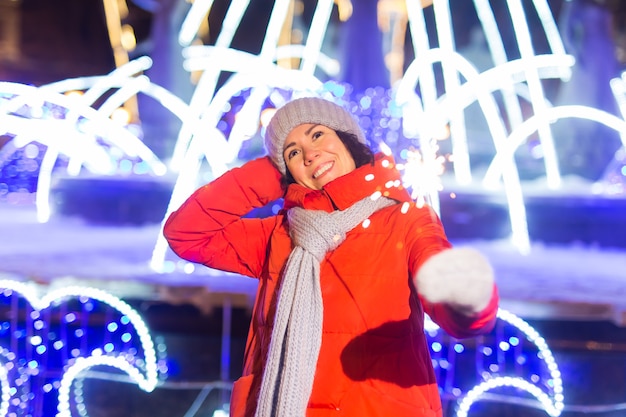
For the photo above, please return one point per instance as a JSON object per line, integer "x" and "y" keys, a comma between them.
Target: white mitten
{"x": 460, "y": 277}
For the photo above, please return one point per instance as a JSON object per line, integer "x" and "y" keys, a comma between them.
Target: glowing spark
{"x": 422, "y": 176}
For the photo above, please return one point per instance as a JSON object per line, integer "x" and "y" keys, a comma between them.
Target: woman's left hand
{"x": 459, "y": 277}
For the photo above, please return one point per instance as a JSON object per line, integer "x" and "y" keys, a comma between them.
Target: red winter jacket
{"x": 374, "y": 359}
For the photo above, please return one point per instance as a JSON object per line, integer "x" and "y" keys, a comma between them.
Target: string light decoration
{"x": 514, "y": 355}
{"x": 53, "y": 332}
{"x": 48, "y": 341}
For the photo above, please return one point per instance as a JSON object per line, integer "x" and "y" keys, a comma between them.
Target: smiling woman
{"x": 315, "y": 155}
{"x": 320, "y": 141}
{"x": 346, "y": 271}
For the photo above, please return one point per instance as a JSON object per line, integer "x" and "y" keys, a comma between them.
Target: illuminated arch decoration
{"x": 50, "y": 128}
{"x": 614, "y": 180}
{"x": 551, "y": 115}
{"x": 257, "y": 77}
{"x": 618, "y": 86}
{"x": 49, "y": 341}
{"x": 260, "y": 75}
{"x": 252, "y": 67}
{"x": 511, "y": 361}
{"x": 492, "y": 35}
{"x": 29, "y": 114}
{"x": 422, "y": 114}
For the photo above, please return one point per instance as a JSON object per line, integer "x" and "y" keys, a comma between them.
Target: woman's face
{"x": 315, "y": 155}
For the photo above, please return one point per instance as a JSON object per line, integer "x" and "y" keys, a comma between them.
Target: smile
{"x": 322, "y": 169}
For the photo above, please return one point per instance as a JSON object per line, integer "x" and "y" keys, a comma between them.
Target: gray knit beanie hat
{"x": 306, "y": 110}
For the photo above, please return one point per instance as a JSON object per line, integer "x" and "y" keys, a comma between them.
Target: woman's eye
{"x": 292, "y": 153}
{"x": 317, "y": 135}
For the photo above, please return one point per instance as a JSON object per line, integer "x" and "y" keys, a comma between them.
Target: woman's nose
{"x": 310, "y": 154}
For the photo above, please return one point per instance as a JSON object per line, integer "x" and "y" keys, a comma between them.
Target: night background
{"x": 97, "y": 247}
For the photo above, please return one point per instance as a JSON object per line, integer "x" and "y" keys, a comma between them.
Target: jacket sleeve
{"x": 455, "y": 286}
{"x": 459, "y": 325}
{"x": 210, "y": 227}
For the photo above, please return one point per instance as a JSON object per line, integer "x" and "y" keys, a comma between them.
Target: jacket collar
{"x": 341, "y": 193}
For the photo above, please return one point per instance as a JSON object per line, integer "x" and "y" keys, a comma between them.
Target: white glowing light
{"x": 193, "y": 21}
{"x": 100, "y": 85}
{"x": 494, "y": 39}
{"x": 221, "y": 413}
{"x": 127, "y": 85}
{"x": 538, "y": 99}
{"x": 319, "y": 26}
{"x": 452, "y": 82}
{"x": 550, "y": 115}
{"x": 553, "y": 409}
{"x": 478, "y": 87}
{"x": 618, "y": 86}
{"x": 121, "y": 116}
{"x": 551, "y": 403}
{"x": 274, "y": 27}
{"x": 207, "y": 83}
{"x": 83, "y": 363}
{"x": 430, "y": 325}
{"x": 421, "y": 116}
{"x": 498, "y": 54}
{"x": 130, "y": 89}
{"x": 421, "y": 45}
{"x": 63, "y": 136}
{"x": 423, "y": 176}
{"x": 250, "y": 72}
{"x": 325, "y": 63}
{"x": 231, "y": 22}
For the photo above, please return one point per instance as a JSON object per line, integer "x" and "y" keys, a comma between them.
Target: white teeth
{"x": 322, "y": 169}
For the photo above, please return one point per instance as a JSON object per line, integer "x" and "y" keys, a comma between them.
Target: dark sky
{"x": 59, "y": 39}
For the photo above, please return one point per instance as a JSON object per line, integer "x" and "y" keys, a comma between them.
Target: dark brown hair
{"x": 360, "y": 152}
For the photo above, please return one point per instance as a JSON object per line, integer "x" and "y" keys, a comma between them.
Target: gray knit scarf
{"x": 297, "y": 334}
